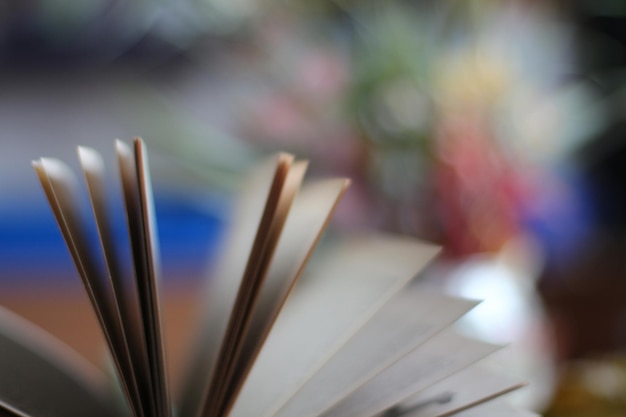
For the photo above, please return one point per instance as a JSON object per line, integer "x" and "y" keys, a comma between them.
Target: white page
{"x": 438, "y": 358}
{"x": 495, "y": 409}
{"x": 8, "y": 411}
{"x": 464, "y": 389}
{"x": 124, "y": 289}
{"x": 407, "y": 320}
{"x": 324, "y": 311}
{"x": 249, "y": 294}
{"x": 41, "y": 377}
{"x": 61, "y": 188}
{"x": 218, "y": 301}
{"x": 311, "y": 212}
{"x": 139, "y": 204}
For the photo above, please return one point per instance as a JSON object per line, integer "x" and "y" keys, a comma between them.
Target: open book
{"x": 352, "y": 337}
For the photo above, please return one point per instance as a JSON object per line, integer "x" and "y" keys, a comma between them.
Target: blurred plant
{"x": 449, "y": 116}
{"x": 392, "y": 108}
{"x": 463, "y": 110}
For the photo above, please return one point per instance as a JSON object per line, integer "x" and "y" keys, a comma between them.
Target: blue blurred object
{"x": 32, "y": 249}
{"x": 562, "y": 217}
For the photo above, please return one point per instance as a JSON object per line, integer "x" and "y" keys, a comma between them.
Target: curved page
{"x": 43, "y": 378}
{"x": 494, "y": 409}
{"x": 219, "y": 301}
{"x": 463, "y": 390}
{"x": 324, "y": 311}
{"x": 438, "y": 358}
{"x": 407, "y": 320}
{"x": 307, "y": 219}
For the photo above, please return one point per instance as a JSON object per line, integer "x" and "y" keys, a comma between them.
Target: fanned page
{"x": 494, "y": 409}
{"x": 263, "y": 187}
{"x": 125, "y": 289}
{"x": 129, "y": 315}
{"x": 264, "y": 246}
{"x": 60, "y": 186}
{"x": 348, "y": 338}
{"x": 298, "y": 221}
{"x": 438, "y": 358}
{"x": 43, "y": 378}
{"x": 325, "y": 310}
{"x": 406, "y": 321}
{"x": 141, "y": 220}
{"x": 307, "y": 219}
{"x": 465, "y": 389}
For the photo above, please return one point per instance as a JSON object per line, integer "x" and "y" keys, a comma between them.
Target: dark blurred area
{"x": 495, "y": 128}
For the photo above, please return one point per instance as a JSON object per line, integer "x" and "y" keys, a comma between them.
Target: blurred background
{"x": 494, "y": 128}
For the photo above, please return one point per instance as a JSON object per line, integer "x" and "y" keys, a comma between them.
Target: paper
{"x": 440, "y": 357}
{"x": 348, "y": 338}
{"x": 305, "y": 223}
{"x": 464, "y": 389}
{"x": 407, "y": 320}
{"x": 225, "y": 282}
{"x": 324, "y": 311}
{"x": 60, "y": 186}
{"x": 495, "y": 409}
{"x": 40, "y": 377}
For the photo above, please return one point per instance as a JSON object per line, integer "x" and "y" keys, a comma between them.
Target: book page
{"x": 494, "y": 409}
{"x": 462, "y": 390}
{"x": 438, "y": 358}
{"x": 141, "y": 219}
{"x": 219, "y": 301}
{"x": 307, "y": 219}
{"x": 266, "y": 241}
{"x": 325, "y": 309}
{"x": 124, "y": 289}
{"x": 60, "y": 186}
{"x": 407, "y": 320}
{"x": 41, "y": 377}
{"x": 7, "y": 411}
